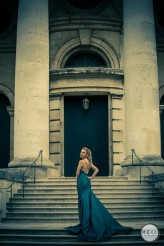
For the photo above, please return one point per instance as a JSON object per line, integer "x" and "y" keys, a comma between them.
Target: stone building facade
{"x": 82, "y": 73}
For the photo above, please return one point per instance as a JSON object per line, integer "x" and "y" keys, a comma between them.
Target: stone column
{"x": 31, "y": 125}
{"x": 141, "y": 83}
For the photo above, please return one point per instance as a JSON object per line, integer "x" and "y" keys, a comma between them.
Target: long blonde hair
{"x": 88, "y": 155}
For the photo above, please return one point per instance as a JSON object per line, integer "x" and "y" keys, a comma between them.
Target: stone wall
{"x": 5, "y": 194}
{"x": 55, "y": 131}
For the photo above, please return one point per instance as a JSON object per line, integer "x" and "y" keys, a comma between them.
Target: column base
{"x": 25, "y": 162}
{"x": 16, "y": 173}
{"x": 18, "y": 166}
{"x": 132, "y": 168}
{"x": 44, "y": 168}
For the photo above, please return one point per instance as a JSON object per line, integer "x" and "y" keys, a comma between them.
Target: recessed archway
{"x": 97, "y": 46}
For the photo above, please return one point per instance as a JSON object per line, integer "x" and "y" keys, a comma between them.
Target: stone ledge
{"x": 149, "y": 160}
{"x": 87, "y": 72}
{"x": 15, "y": 174}
{"x": 27, "y": 161}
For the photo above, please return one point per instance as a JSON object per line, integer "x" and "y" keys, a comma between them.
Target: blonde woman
{"x": 96, "y": 223}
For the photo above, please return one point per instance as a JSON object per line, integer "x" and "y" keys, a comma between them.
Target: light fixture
{"x": 85, "y": 103}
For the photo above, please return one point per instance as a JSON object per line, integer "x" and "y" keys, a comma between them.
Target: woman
{"x": 96, "y": 223}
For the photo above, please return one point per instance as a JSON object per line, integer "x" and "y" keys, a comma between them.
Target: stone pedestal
{"x": 144, "y": 166}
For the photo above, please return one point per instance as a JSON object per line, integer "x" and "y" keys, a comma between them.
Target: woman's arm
{"x": 96, "y": 170}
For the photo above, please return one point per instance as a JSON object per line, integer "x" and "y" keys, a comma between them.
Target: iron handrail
{"x": 23, "y": 178}
{"x": 28, "y": 168}
{"x": 144, "y": 164}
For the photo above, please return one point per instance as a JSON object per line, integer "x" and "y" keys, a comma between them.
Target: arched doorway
{"x": 86, "y": 127}
{"x": 4, "y": 132}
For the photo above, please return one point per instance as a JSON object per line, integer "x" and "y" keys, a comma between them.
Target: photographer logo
{"x": 149, "y": 232}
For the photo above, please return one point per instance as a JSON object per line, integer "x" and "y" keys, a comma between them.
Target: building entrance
{"x": 86, "y": 127}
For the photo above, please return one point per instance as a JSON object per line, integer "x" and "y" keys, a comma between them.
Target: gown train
{"x": 96, "y": 223}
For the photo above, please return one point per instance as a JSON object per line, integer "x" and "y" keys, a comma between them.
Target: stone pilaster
{"x": 31, "y": 125}
{"x": 141, "y": 83}
{"x": 10, "y": 110}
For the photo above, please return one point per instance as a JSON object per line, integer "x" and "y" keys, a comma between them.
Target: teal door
{"x": 162, "y": 127}
{"x": 86, "y": 128}
{"x": 162, "y": 134}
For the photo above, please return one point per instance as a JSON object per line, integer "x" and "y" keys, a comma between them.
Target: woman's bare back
{"x": 85, "y": 166}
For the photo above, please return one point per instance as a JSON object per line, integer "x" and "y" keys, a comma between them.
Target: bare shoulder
{"x": 81, "y": 162}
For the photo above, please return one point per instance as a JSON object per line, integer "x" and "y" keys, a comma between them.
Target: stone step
{"x": 94, "y": 187}
{"x": 64, "y": 237}
{"x": 96, "y": 191}
{"x": 47, "y": 231}
{"x": 71, "y": 219}
{"x": 96, "y": 179}
{"x": 73, "y": 177}
{"x": 120, "y": 199}
{"x": 26, "y": 203}
{"x": 99, "y": 195}
{"x": 93, "y": 182}
{"x": 118, "y": 213}
{"x": 66, "y": 243}
{"x": 74, "y": 209}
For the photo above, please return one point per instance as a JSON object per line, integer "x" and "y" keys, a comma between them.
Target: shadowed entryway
{"x": 86, "y": 127}
{"x": 4, "y": 132}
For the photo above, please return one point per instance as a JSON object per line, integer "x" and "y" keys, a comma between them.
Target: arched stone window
{"x": 85, "y": 4}
{"x": 98, "y": 50}
{"x": 85, "y": 59}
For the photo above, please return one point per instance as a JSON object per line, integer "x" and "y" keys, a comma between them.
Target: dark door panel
{"x": 86, "y": 128}
{"x": 4, "y": 132}
{"x": 162, "y": 134}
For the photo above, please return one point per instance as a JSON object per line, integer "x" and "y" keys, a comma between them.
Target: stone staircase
{"x": 51, "y": 204}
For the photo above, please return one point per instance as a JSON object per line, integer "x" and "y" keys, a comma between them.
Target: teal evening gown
{"x": 96, "y": 223}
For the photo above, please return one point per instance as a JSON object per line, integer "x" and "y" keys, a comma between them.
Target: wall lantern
{"x": 85, "y": 103}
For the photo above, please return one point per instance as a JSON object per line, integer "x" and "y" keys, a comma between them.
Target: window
{"x": 84, "y": 4}
{"x": 85, "y": 59}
